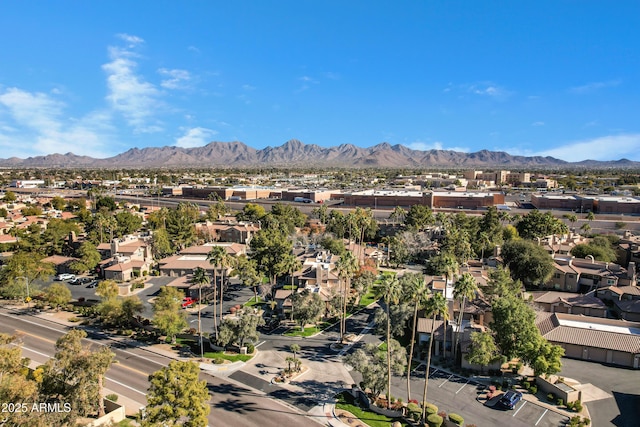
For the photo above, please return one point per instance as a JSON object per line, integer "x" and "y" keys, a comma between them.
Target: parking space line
{"x": 524, "y": 402}
{"x": 445, "y": 381}
{"x": 434, "y": 372}
{"x": 259, "y": 344}
{"x": 543, "y": 414}
{"x": 460, "y": 389}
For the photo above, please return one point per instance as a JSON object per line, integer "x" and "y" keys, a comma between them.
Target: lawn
{"x": 373, "y": 419}
{"x": 253, "y": 302}
{"x": 195, "y": 349}
{"x": 367, "y": 299}
{"x": 229, "y": 357}
{"x": 296, "y": 332}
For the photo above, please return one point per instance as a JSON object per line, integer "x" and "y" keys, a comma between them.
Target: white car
{"x": 65, "y": 276}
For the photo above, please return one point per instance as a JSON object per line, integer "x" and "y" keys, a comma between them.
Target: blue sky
{"x": 555, "y": 78}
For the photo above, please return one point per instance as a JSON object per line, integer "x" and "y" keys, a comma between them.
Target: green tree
{"x": 108, "y": 289}
{"x": 419, "y": 217}
{"x": 308, "y": 307}
{"x": 416, "y": 292}
{"x": 599, "y": 247}
{"x": 89, "y": 257}
{"x": 390, "y": 291}
{"x": 269, "y": 247}
{"x": 160, "y": 244}
{"x": 527, "y": 262}
{"x": 240, "y": 330}
{"x": 290, "y": 263}
{"x": 537, "y": 224}
{"x": 19, "y": 273}
{"x": 347, "y": 265}
{"x": 180, "y": 225}
{"x": 335, "y": 246}
{"x": 106, "y": 202}
{"x": 9, "y": 196}
{"x": 251, "y": 212}
{"x": 247, "y": 271}
{"x": 128, "y": 223}
{"x": 515, "y": 329}
{"x": 57, "y": 294}
{"x": 176, "y": 396}
{"x": 76, "y": 375}
{"x": 220, "y": 259}
{"x": 500, "y": 284}
{"x": 167, "y": 316}
{"x": 398, "y": 215}
{"x": 200, "y": 278}
{"x": 482, "y": 350}
{"x": 55, "y": 235}
{"x": 435, "y": 306}
{"x": 58, "y": 203}
{"x": 465, "y": 288}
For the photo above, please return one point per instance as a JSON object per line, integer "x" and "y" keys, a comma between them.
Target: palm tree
{"x": 347, "y": 265}
{"x": 389, "y": 290}
{"x": 449, "y": 268}
{"x": 585, "y": 228}
{"x": 200, "y": 277}
{"x": 291, "y": 263}
{"x": 465, "y": 288}
{"x": 215, "y": 257}
{"x": 416, "y": 291}
{"x": 398, "y": 215}
{"x": 436, "y": 305}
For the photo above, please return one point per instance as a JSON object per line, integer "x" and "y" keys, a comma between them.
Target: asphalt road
{"x": 231, "y": 404}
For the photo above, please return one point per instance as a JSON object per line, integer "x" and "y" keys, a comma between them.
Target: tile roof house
{"x": 61, "y": 263}
{"x": 593, "y": 339}
{"x": 567, "y": 302}
{"x": 579, "y": 274}
{"x": 625, "y": 299}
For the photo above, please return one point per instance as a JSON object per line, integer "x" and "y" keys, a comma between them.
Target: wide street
{"x": 128, "y": 377}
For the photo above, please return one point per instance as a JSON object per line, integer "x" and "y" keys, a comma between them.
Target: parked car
{"x": 86, "y": 279}
{"x": 65, "y": 276}
{"x": 74, "y": 281}
{"x": 510, "y": 399}
{"x": 188, "y": 302}
{"x": 92, "y": 284}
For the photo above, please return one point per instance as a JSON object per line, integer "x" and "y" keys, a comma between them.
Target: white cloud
{"x": 195, "y": 137}
{"x": 248, "y": 87}
{"x": 537, "y": 124}
{"x": 594, "y": 86}
{"x": 436, "y": 145}
{"x": 132, "y": 40}
{"x": 41, "y": 128}
{"x": 612, "y": 147}
{"x": 174, "y": 79}
{"x": 488, "y": 89}
{"x": 129, "y": 94}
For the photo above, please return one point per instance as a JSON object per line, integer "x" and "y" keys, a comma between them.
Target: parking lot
{"x": 453, "y": 393}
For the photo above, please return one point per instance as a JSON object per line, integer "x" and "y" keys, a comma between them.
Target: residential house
{"x": 625, "y": 301}
{"x": 567, "y": 302}
{"x": 578, "y": 274}
{"x": 62, "y": 263}
{"x": 196, "y": 256}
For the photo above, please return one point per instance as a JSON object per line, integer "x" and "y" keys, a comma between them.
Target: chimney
{"x": 631, "y": 271}
{"x": 115, "y": 246}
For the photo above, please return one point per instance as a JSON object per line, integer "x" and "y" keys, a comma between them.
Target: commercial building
{"x": 598, "y": 204}
{"x": 435, "y": 199}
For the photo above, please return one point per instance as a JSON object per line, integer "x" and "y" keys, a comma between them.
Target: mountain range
{"x": 294, "y": 153}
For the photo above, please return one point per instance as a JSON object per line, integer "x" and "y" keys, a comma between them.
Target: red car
{"x": 188, "y": 302}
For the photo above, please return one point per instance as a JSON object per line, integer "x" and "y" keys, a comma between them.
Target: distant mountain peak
{"x": 294, "y": 153}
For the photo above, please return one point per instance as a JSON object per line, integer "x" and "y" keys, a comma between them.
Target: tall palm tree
{"x": 390, "y": 291}
{"x": 291, "y": 264}
{"x": 398, "y": 214}
{"x": 415, "y": 291}
{"x": 436, "y": 305}
{"x": 450, "y": 269}
{"x": 347, "y": 266}
{"x": 200, "y": 277}
{"x": 465, "y": 288}
{"x": 214, "y": 257}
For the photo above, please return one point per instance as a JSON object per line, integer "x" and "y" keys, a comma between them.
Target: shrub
{"x": 533, "y": 389}
{"x": 526, "y": 385}
{"x": 577, "y": 406}
{"x": 551, "y": 397}
{"x": 414, "y": 411}
{"x": 251, "y": 348}
{"x": 432, "y": 409}
{"x": 218, "y": 360}
{"x": 112, "y": 397}
{"x": 457, "y": 419}
{"x": 560, "y": 402}
{"x": 434, "y": 420}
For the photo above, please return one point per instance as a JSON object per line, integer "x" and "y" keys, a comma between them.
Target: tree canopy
{"x": 527, "y": 262}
